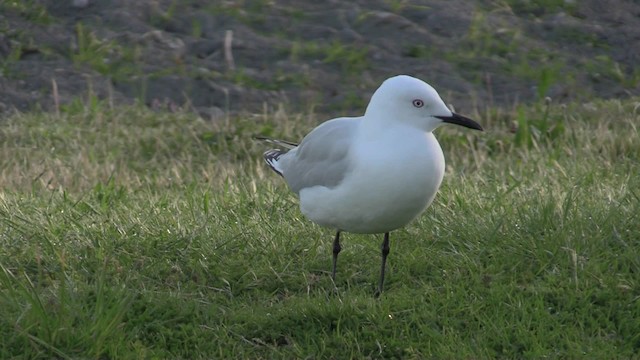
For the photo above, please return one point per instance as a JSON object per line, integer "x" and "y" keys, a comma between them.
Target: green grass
{"x": 107, "y": 57}
{"x": 494, "y": 46}
{"x": 132, "y": 234}
{"x": 352, "y": 60}
{"x": 540, "y": 7}
{"x": 31, "y": 10}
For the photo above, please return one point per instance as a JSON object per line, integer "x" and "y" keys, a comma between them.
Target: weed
{"x": 160, "y": 18}
{"x": 31, "y": 10}
{"x": 485, "y": 39}
{"x": 105, "y": 56}
{"x": 7, "y": 62}
{"x": 604, "y": 67}
{"x": 196, "y": 28}
{"x": 90, "y": 50}
{"x": 576, "y": 35}
{"x": 278, "y": 81}
{"x": 541, "y": 7}
{"x": 351, "y": 59}
{"x": 398, "y": 6}
{"x": 499, "y": 46}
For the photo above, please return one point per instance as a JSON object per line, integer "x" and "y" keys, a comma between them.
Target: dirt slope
{"x": 326, "y": 55}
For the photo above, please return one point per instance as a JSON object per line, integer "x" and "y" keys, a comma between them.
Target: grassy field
{"x": 126, "y": 233}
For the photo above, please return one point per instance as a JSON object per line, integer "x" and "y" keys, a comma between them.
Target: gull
{"x": 374, "y": 173}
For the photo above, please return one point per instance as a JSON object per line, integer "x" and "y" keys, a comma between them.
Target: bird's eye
{"x": 418, "y": 103}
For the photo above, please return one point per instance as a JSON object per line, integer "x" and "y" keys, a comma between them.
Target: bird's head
{"x": 409, "y": 100}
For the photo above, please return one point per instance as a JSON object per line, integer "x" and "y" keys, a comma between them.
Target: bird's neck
{"x": 380, "y": 128}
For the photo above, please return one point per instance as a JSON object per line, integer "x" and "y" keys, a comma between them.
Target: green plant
{"x": 90, "y": 50}
{"x": 539, "y": 8}
{"x": 31, "y": 10}
{"x": 540, "y": 126}
{"x": 398, "y": 6}
{"x": 544, "y": 69}
{"x": 107, "y": 57}
{"x": 485, "y": 39}
{"x": 604, "y": 67}
{"x": 7, "y": 62}
{"x": 351, "y": 59}
{"x": 161, "y": 17}
{"x": 196, "y": 28}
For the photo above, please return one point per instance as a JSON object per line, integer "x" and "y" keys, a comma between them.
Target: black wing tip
{"x": 271, "y": 158}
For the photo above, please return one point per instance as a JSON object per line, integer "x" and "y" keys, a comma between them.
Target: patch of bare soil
{"x": 218, "y": 56}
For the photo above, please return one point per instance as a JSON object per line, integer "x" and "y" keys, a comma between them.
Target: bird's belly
{"x": 375, "y": 209}
{"x": 379, "y": 196}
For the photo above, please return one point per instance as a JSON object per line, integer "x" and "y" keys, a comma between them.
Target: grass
{"x": 540, "y": 7}
{"x": 107, "y": 57}
{"x": 351, "y": 60}
{"x": 29, "y": 9}
{"x": 132, "y": 234}
{"x": 494, "y": 46}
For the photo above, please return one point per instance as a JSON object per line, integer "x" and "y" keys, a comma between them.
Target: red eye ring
{"x": 418, "y": 103}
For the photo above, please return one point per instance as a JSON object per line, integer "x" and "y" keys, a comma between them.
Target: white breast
{"x": 388, "y": 187}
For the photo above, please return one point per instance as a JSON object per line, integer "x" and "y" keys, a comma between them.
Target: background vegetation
{"x": 240, "y": 55}
{"x": 146, "y": 227}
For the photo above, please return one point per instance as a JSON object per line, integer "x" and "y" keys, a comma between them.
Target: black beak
{"x": 460, "y": 120}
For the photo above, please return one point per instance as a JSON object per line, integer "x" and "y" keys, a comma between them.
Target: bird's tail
{"x": 271, "y": 156}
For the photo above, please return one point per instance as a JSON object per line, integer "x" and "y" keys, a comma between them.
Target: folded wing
{"x": 322, "y": 158}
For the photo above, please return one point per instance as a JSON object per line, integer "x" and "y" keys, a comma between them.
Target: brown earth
{"x": 323, "y": 55}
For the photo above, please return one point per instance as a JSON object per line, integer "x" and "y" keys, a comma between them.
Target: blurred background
{"x": 221, "y": 57}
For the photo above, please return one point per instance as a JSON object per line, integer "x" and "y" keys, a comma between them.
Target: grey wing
{"x": 321, "y": 158}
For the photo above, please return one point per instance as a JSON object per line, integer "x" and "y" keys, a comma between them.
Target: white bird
{"x": 375, "y": 173}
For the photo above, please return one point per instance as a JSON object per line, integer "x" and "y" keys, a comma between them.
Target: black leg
{"x": 336, "y": 251}
{"x": 385, "y": 251}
